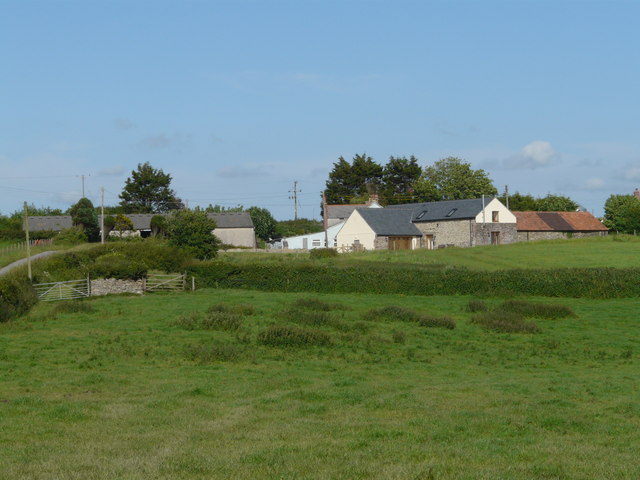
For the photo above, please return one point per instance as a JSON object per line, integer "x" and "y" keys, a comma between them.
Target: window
{"x": 356, "y": 242}
{"x": 315, "y": 243}
{"x": 495, "y": 216}
{"x": 422, "y": 214}
{"x": 453, "y": 210}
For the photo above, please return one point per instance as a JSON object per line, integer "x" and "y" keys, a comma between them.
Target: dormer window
{"x": 453, "y": 210}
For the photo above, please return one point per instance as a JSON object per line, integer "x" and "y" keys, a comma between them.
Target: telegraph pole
{"x": 506, "y": 195}
{"x": 26, "y": 229}
{"x": 102, "y": 217}
{"x": 295, "y": 192}
{"x": 82, "y": 177}
{"x": 324, "y": 219}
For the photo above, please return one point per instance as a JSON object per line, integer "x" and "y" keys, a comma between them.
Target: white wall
{"x": 314, "y": 240}
{"x": 495, "y": 205}
{"x": 239, "y": 237}
{"x": 355, "y": 228}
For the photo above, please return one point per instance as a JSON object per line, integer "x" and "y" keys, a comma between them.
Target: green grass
{"x": 9, "y": 257}
{"x": 124, "y": 392}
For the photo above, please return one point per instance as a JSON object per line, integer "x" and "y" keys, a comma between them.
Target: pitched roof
{"x": 342, "y": 211}
{"x": 558, "y": 222}
{"x": 53, "y": 222}
{"x": 443, "y": 210}
{"x": 232, "y": 219}
{"x": 390, "y": 222}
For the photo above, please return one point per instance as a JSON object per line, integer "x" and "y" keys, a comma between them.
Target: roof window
{"x": 421, "y": 214}
{"x": 453, "y": 210}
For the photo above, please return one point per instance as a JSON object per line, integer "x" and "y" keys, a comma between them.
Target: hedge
{"x": 17, "y": 296}
{"x": 373, "y": 278}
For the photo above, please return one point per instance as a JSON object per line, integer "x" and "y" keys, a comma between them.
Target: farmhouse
{"x": 234, "y": 228}
{"x": 553, "y": 225}
{"x": 459, "y": 223}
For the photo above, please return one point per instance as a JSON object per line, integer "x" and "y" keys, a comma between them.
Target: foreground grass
{"x": 123, "y": 391}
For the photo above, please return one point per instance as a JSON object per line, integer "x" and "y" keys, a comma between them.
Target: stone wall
{"x": 482, "y": 233}
{"x": 381, "y": 243}
{"x": 106, "y": 286}
{"x": 532, "y": 236}
{"x": 448, "y": 233}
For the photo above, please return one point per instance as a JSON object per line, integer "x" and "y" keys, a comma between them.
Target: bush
{"x": 323, "y": 253}
{"x": 477, "y": 306}
{"x": 71, "y": 236}
{"x": 286, "y": 336}
{"x": 437, "y": 322}
{"x": 116, "y": 265}
{"x": 17, "y": 296}
{"x": 191, "y": 230}
{"x": 541, "y": 310}
{"x": 239, "y": 309}
{"x": 504, "y": 322}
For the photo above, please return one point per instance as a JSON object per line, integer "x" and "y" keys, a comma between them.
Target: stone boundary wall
{"x": 106, "y": 286}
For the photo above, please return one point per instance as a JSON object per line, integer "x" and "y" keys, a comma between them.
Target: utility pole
{"x": 506, "y": 195}
{"x": 295, "y": 192}
{"x": 26, "y": 229}
{"x": 324, "y": 219}
{"x": 102, "y": 217}
{"x": 83, "y": 177}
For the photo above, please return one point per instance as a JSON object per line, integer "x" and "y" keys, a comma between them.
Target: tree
{"x": 222, "y": 209}
{"x": 264, "y": 224}
{"x": 347, "y": 180}
{"x": 84, "y": 215}
{"x": 520, "y": 203}
{"x": 148, "y": 190}
{"x": 122, "y": 223}
{"x": 301, "y": 226}
{"x": 158, "y": 225}
{"x": 398, "y": 177}
{"x": 556, "y": 203}
{"x": 192, "y": 230}
{"x": 622, "y": 214}
{"x": 452, "y": 179}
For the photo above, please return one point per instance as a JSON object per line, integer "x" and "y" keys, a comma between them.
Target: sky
{"x": 236, "y": 100}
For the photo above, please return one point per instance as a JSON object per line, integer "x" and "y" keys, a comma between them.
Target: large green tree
{"x": 192, "y": 230}
{"x": 622, "y": 214}
{"x": 348, "y": 180}
{"x": 148, "y": 190}
{"x": 452, "y": 179}
{"x": 556, "y": 203}
{"x": 398, "y": 177}
{"x": 84, "y": 215}
{"x": 266, "y": 227}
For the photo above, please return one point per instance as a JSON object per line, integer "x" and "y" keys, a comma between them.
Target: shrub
{"x": 17, "y": 296}
{"x": 541, "y": 310}
{"x": 71, "y": 236}
{"x": 191, "y": 230}
{"x": 213, "y": 353}
{"x": 505, "y": 322}
{"x": 438, "y": 322}
{"x": 477, "y": 306}
{"x": 323, "y": 253}
{"x": 287, "y": 336}
{"x": 239, "y": 309}
{"x": 317, "y": 304}
{"x": 76, "y": 306}
{"x": 116, "y": 265}
{"x": 392, "y": 313}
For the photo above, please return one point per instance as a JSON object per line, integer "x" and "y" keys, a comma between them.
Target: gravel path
{"x": 22, "y": 261}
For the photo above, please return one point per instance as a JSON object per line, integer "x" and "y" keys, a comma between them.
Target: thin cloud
{"x": 243, "y": 171}
{"x": 632, "y": 173}
{"x": 112, "y": 171}
{"x": 594, "y": 183}
{"x": 164, "y": 141}
{"x": 124, "y": 124}
{"x": 538, "y": 154}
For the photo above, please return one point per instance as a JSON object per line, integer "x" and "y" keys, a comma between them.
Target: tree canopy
{"x": 398, "y": 177}
{"x": 452, "y": 179}
{"x": 84, "y": 215}
{"x": 550, "y": 203}
{"x": 192, "y": 230}
{"x": 148, "y": 190}
{"x": 348, "y": 180}
{"x": 264, "y": 224}
{"x": 622, "y": 214}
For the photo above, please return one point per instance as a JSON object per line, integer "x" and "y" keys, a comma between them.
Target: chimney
{"x": 373, "y": 198}
{"x": 636, "y": 193}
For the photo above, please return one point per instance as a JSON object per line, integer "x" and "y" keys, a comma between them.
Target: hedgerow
{"x": 17, "y": 296}
{"x": 415, "y": 280}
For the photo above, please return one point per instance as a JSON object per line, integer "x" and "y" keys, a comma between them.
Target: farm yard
{"x": 260, "y": 383}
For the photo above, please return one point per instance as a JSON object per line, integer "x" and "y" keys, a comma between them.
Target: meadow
{"x": 247, "y": 384}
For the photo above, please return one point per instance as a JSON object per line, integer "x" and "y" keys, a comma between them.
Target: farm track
{"x": 22, "y": 261}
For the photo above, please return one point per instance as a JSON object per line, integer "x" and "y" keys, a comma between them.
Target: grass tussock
{"x": 475, "y": 306}
{"x": 538, "y": 310}
{"x": 318, "y": 305}
{"x": 204, "y": 353}
{"x": 504, "y": 322}
{"x": 392, "y": 313}
{"x": 238, "y": 309}
{"x": 314, "y": 319}
{"x": 210, "y": 321}
{"x": 437, "y": 322}
{"x": 77, "y": 306}
{"x": 288, "y": 336}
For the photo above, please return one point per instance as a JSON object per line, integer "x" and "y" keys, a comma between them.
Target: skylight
{"x": 421, "y": 215}
{"x": 453, "y": 210}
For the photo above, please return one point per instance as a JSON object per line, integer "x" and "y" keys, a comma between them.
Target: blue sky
{"x": 236, "y": 100}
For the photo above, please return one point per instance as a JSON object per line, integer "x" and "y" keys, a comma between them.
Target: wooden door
{"x": 400, "y": 243}
{"x": 428, "y": 242}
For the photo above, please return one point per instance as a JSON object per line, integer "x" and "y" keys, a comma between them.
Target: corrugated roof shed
{"x": 558, "y": 222}
{"x": 390, "y": 222}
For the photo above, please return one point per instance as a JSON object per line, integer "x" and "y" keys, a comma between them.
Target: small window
{"x": 316, "y": 243}
{"x": 356, "y": 242}
{"x": 495, "y": 216}
{"x": 422, "y": 214}
{"x": 453, "y": 210}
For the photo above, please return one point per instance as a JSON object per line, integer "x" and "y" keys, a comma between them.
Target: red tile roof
{"x": 558, "y": 222}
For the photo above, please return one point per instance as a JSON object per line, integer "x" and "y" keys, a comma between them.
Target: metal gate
{"x": 172, "y": 282}
{"x": 69, "y": 290}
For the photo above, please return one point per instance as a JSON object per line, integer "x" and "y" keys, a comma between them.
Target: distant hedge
{"x": 416, "y": 280}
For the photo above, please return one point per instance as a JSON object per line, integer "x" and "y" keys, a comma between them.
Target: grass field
{"x": 135, "y": 388}
{"x": 7, "y": 257}
{"x": 617, "y": 251}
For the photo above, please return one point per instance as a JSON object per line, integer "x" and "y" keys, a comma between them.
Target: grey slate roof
{"x": 53, "y": 222}
{"x": 433, "y": 211}
{"x": 342, "y": 212}
{"x": 232, "y": 219}
{"x": 389, "y": 222}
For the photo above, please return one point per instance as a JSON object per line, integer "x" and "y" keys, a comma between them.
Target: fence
{"x": 156, "y": 282}
{"x": 69, "y": 290}
{"x": 23, "y": 245}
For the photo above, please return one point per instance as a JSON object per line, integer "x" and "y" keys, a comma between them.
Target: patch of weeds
{"x": 399, "y": 337}
{"x": 211, "y": 321}
{"x": 318, "y": 305}
{"x": 314, "y": 319}
{"x": 437, "y": 322}
{"x": 392, "y": 313}
{"x": 505, "y": 322}
{"x": 288, "y": 336}
{"x": 76, "y": 306}
{"x": 475, "y": 306}
{"x": 539, "y": 310}
{"x": 204, "y": 353}
{"x": 239, "y": 309}
{"x": 190, "y": 321}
